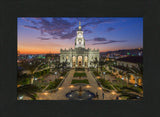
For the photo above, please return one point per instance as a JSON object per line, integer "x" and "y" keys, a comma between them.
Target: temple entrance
{"x": 74, "y": 61}
{"x": 79, "y": 61}
{"x": 86, "y": 61}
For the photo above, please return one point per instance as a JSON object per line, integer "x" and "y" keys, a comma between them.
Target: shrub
{"x": 105, "y": 84}
{"x": 54, "y": 84}
{"x": 96, "y": 74}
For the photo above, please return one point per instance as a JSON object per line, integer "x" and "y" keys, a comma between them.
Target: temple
{"x": 79, "y": 56}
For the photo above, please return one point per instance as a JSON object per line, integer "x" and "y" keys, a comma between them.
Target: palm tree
{"x": 31, "y": 66}
{"x": 101, "y": 64}
{"x": 96, "y": 62}
{"x": 57, "y": 66}
{"x": 28, "y": 90}
{"x": 128, "y": 76}
{"x": 138, "y": 71}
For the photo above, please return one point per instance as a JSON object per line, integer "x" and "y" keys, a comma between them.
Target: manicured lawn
{"x": 79, "y": 69}
{"x": 76, "y": 74}
{"x": 80, "y": 81}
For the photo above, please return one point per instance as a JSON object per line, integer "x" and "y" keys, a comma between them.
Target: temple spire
{"x": 79, "y": 25}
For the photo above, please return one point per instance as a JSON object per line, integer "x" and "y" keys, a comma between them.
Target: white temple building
{"x": 79, "y": 56}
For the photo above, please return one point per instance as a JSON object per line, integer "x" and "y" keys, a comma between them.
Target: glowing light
{"x": 61, "y": 77}
{"x": 88, "y": 86}
{"x": 113, "y": 92}
{"x": 98, "y": 77}
{"x": 20, "y": 97}
{"x": 99, "y": 88}
{"x": 45, "y": 93}
{"x": 60, "y": 88}
{"x": 18, "y": 85}
{"x": 71, "y": 86}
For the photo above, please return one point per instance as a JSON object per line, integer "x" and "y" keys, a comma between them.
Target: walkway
{"x": 66, "y": 87}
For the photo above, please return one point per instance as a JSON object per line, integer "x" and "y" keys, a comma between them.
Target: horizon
{"x": 100, "y": 52}
{"x": 49, "y": 35}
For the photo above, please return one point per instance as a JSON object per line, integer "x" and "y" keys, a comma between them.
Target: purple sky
{"x": 50, "y": 34}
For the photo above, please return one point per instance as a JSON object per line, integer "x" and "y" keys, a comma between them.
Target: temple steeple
{"x": 79, "y": 26}
{"x": 79, "y": 42}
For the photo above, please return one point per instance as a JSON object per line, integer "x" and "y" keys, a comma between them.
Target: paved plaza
{"x": 67, "y": 87}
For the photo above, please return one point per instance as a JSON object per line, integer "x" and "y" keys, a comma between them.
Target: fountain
{"x": 80, "y": 94}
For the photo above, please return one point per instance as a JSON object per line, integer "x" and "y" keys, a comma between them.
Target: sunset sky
{"x": 38, "y": 35}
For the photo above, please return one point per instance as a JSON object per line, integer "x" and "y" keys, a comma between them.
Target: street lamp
{"x": 55, "y": 74}
{"x": 104, "y": 74}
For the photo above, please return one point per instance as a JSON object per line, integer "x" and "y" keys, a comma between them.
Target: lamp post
{"x": 55, "y": 74}
{"x": 104, "y": 74}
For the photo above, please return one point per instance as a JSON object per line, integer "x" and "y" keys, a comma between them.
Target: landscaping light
{"x": 35, "y": 78}
{"x": 113, "y": 92}
{"x": 88, "y": 86}
{"x": 21, "y": 97}
{"x": 135, "y": 85}
{"x": 71, "y": 86}
{"x": 99, "y": 88}
{"x": 60, "y": 88}
{"x": 122, "y": 78}
{"x": 98, "y": 77}
{"x": 45, "y": 93}
{"x": 61, "y": 77}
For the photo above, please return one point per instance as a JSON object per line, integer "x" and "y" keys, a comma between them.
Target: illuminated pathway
{"x": 67, "y": 87}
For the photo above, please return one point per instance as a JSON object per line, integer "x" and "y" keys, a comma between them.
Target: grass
{"x": 80, "y": 81}
{"x": 76, "y": 74}
{"x": 54, "y": 84}
{"x": 79, "y": 69}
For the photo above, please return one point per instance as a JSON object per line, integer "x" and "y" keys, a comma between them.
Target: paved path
{"x": 60, "y": 94}
{"x": 67, "y": 87}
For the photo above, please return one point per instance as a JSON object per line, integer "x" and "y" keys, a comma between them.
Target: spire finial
{"x": 79, "y": 25}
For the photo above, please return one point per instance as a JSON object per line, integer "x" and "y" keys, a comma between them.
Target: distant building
{"x": 80, "y": 56}
{"x": 130, "y": 61}
{"x": 126, "y": 63}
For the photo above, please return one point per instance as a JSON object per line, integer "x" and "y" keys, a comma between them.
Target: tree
{"x": 31, "y": 66}
{"x": 28, "y": 90}
{"x": 64, "y": 65}
{"x": 138, "y": 71}
{"x": 96, "y": 62}
{"x": 101, "y": 64}
{"x": 128, "y": 76}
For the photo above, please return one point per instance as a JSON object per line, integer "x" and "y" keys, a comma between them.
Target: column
{"x": 82, "y": 61}
{"x": 76, "y": 61}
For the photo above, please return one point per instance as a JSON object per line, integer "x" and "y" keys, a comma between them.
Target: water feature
{"x": 80, "y": 94}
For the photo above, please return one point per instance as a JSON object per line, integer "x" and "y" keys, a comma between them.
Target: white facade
{"x": 80, "y": 56}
